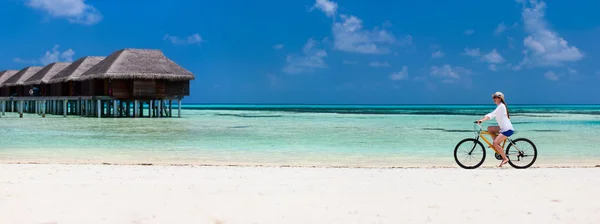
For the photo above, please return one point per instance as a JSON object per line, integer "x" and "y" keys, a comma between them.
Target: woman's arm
{"x": 485, "y": 118}
{"x": 490, "y": 115}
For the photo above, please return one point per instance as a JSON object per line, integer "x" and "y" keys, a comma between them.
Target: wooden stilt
{"x": 141, "y": 109}
{"x": 135, "y": 107}
{"x": 64, "y": 108}
{"x": 102, "y": 108}
{"x": 178, "y": 107}
{"x": 114, "y": 108}
{"x": 44, "y": 108}
{"x": 160, "y": 108}
{"x": 98, "y": 108}
{"x": 127, "y": 108}
{"x": 151, "y": 104}
{"x": 170, "y": 108}
{"x": 21, "y": 109}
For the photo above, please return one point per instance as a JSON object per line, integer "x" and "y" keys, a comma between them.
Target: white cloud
{"x": 550, "y": 75}
{"x": 402, "y": 75}
{"x": 51, "y": 56}
{"x": 437, "y": 54}
{"x": 311, "y": 58}
{"x": 75, "y": 11}
{"x": 68, "y": 55}
{"x": 24, "y": 61}
{"x": 378, "y": 64}
{"x": 572, "y": 71}
{"x": 448, "y": 74}
{"x": 54, "y": 55}
{"x": 469, "y": 32}
{"x": 278, "y": 46}
{"x": 544, "y": 46}
{"x": 350, "y": 36}
{"x": 493, "y": 57}
{"x": 328, "y": 7}
{"x": 192, "y": 39}
{"x": 500, "y": 28}
{"x": 472, "y": 52}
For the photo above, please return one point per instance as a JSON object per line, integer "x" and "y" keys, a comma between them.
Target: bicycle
{"x": 519, "y": 147}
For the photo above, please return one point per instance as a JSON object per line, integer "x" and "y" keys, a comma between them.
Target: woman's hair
{"x": 507, "y": 113}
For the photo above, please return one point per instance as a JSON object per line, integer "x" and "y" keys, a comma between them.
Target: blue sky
{"x": 331, "y": 52}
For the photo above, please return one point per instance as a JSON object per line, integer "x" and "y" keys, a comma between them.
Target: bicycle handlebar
{"x": 478, "y": 124}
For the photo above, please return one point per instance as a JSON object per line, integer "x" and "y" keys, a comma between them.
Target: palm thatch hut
{"x": 137, "y": 74}
{"x": 5, "y": 75}
{"x": 99, "y": 86}
{"x": 66, "y": 82}
{"x": 40, "y": 79}
{"x": 15, "y": 83}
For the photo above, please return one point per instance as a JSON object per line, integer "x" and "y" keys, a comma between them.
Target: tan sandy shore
{"x": 36, "y": 193}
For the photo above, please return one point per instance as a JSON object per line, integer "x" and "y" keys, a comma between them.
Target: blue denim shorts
{"x": 507, "y": 133}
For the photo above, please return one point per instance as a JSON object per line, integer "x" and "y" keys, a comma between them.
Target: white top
{"x": 501, "y": 117}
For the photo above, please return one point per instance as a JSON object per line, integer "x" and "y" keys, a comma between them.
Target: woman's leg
{"x": 494, "y": 130}
{"x": 497, "y": 142}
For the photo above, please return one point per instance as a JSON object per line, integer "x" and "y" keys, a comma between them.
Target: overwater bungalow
{"x": 138, "y": 76}
{"x": 15, "y": 88}
{"x": 66, "y": 82}
{"x": 39, "y": 81}
{"x": 5, "y": 75}
{"x": 125, "y": 84}
{"x": 15, "y": 83}
{"x": 4, "y": 91}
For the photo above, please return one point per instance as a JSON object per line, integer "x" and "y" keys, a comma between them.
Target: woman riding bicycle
{"x": 505, "y": 128}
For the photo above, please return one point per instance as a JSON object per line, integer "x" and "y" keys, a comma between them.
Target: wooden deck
{"x": 90, "y": 106}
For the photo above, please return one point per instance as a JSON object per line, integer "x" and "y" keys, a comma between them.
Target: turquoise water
{"x": 306, "y": 135}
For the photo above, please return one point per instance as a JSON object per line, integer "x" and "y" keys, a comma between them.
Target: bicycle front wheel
{"x": 469, "y": 153}
{"x": 521, "y": 153}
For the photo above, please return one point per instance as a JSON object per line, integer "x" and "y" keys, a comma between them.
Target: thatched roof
{"x": 6, "y": 74}
{"x": 137, "y": 64}
{"x": 46, "y": 73}
{"x": 76, "y": 69}
{"x": 20, "y": 77}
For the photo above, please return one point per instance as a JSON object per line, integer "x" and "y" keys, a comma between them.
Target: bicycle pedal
{"x": 498, "y": 156}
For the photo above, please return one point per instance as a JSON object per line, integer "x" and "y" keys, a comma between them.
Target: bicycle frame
{"x": 480, "y": 134}
{"x": 490, "y": 144}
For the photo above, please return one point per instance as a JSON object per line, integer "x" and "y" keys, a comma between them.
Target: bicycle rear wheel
{"x": 521, "y": 153}
{"x": 469, "y": 153}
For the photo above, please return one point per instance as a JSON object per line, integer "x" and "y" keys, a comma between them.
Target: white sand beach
{"x": 46, "y": 193}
